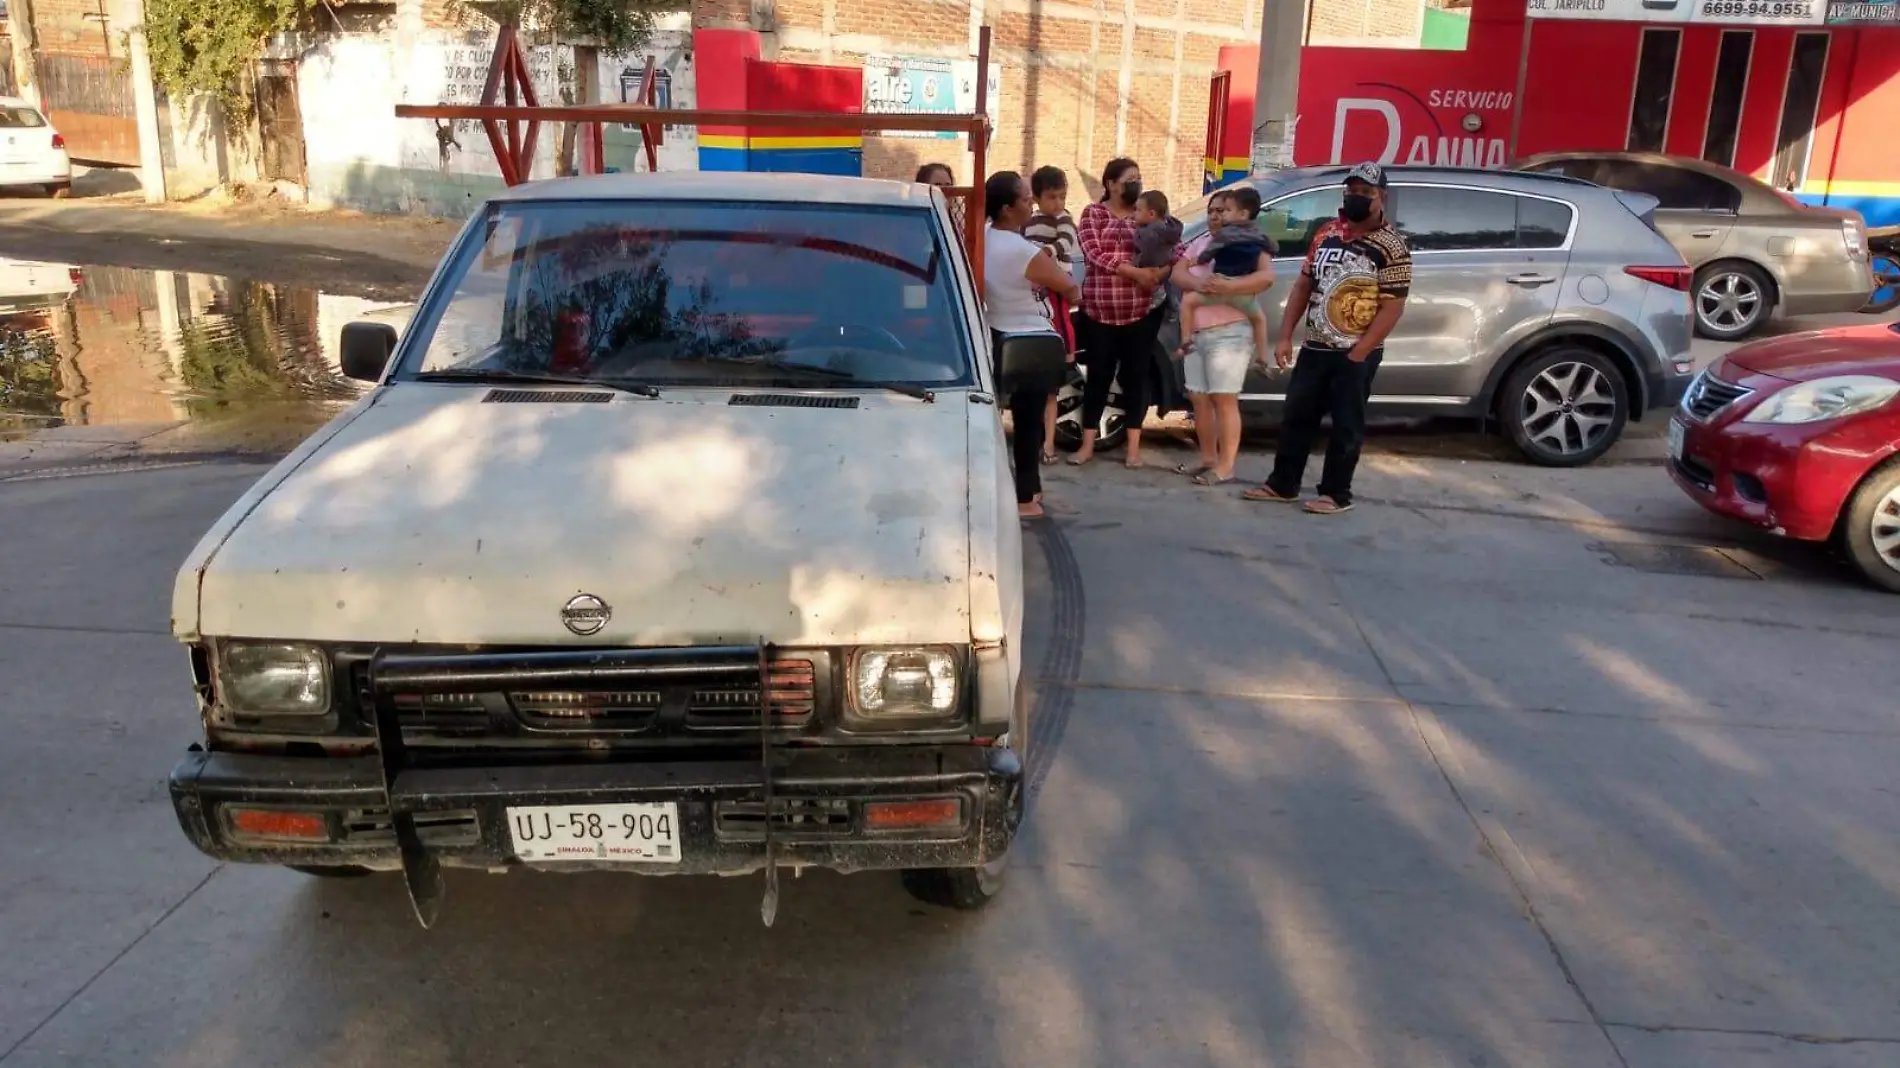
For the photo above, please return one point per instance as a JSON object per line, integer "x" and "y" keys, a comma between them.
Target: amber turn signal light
{"x": 277, "y": 823}
{"x": 913, "y": 815}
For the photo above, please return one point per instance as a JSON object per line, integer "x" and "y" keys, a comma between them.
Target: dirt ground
{"x": 379, "y": 257}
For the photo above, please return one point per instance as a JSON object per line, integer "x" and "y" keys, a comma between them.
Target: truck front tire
{"x": 964, "y": 889}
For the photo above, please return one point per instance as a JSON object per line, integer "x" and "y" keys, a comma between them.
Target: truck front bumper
{"x": 460, "y": 813}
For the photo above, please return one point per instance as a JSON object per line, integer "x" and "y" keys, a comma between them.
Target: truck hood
{"x": 435, "y": 517}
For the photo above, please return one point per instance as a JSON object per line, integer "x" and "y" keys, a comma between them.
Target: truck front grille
{"x": 621, "y": 710}
{"x": 590, "y": 698}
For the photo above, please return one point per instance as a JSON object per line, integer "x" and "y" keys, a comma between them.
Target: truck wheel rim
{"x": 1568, "y": 408}
{"x": 1728, "y": 302}
{"x": 1885, "y": 528}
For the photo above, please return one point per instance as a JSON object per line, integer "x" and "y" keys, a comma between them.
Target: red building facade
{"x": 1812, "y": 109}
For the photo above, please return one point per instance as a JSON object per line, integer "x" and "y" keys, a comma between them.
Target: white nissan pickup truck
{"x": 676, "y": 536}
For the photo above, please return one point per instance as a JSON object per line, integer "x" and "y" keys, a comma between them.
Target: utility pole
{"x": 144, "y": 103}
{"x": 26, "y": 40}
{"x": 1276, "y": 100}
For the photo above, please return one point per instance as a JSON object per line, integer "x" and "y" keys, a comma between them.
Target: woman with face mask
{"x": 1118, "y": 310}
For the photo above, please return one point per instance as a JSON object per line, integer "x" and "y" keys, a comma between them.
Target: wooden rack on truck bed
{"x": 512, "y": 118}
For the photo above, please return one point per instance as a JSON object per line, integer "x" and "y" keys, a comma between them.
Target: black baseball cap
{"x": 1368, "y": 172}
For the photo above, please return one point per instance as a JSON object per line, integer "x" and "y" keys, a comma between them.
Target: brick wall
{"x": 1395, "y": 23}
{"x": 75, "y": 27}
{"x": 1083, "y": 82}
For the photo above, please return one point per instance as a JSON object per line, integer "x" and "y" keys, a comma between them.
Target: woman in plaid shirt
{"x": 1118, "y": 304}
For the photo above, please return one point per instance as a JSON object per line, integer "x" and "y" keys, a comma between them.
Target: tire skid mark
{"x": 1061, "y": 659}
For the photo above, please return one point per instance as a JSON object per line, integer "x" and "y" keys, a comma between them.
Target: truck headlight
{"x": 1824, "y": 398}
{"x": 272, "y": 679}
{"x": 904, "y": 683}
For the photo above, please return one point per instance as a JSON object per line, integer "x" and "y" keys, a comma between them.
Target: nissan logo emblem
{"x": 586, "y": 614}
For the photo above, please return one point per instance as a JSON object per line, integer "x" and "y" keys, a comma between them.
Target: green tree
{"x": 207, "y": 46}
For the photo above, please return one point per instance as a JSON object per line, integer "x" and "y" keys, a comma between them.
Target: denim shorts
{"x": 1218, "y": 361}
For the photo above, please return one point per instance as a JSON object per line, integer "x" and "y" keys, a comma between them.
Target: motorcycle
{"x": 1885, "y": 246}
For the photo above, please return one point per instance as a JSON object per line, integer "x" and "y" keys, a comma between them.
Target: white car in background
{"x": 32, "y": 153}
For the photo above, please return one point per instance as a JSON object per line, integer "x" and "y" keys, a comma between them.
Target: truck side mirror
{"x": 366, "y": 349}
{"x": 1036, "y": 362}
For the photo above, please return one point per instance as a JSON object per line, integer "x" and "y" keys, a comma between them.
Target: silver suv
{"x": 1551, "y": 304}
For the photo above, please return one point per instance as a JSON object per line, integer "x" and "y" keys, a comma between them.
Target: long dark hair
{"x": 1113, "y": 170}
{"x": 1000, "y": 192}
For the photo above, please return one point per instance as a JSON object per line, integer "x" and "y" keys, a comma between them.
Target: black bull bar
{"x": 389, "y": 676}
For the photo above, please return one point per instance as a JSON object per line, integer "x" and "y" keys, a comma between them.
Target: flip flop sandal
{"x": 1049, "y": 459}
{"x": 1264, "y": 493}
{"x": 1136, "y": 466}
{"x": 1326, "y": 506}
{"x": 1078, "y": 462}
{"x": 1209, "y": 478}
{"x": 1191, "y": 469}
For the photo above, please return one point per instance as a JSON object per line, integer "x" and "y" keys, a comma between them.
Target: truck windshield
{"x": 687, "y": 293}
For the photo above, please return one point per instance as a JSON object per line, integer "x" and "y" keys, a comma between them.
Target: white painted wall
{"x": 672, "y": 51}
{"x": 359, "y": 155}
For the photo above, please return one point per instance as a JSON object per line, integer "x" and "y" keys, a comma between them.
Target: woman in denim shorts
{"x": 1215, "y": 365}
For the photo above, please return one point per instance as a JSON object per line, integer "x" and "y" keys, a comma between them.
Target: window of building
{"x": 1655, "y": 88}
{"x": 1725, "y": 104}
{"x": 1798, "y": 107}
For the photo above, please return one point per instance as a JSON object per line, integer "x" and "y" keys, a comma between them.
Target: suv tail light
{"x": 59, "y": 140}
{"x": 1677, "y": 278}
{"x": 1855, "y": 238}
{"x": 76, "y": 275}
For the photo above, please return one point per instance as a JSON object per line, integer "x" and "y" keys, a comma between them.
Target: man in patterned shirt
{"x": 1350, "y": 292}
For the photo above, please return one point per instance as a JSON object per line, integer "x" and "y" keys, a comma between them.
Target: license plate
{"x": 633, "y": 833}
{"x": 1674, "y": 436}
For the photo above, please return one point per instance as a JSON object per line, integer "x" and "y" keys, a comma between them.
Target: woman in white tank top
{"x": 1018, "y": 276}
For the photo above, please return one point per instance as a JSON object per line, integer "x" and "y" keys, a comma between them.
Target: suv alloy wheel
{"x": 1565, "y": 407}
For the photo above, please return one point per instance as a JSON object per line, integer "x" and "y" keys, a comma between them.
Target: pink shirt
{"x": 1211, "y": 314}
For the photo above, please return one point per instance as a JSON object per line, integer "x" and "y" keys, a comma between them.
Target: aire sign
{"x": 926, "y": 85}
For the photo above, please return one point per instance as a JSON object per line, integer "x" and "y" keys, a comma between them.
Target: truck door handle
{"x": 1704, "y": 233}
{"x": 1530, "y": 279}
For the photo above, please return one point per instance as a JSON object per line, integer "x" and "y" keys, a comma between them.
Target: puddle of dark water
{"x": 198, "y": 358}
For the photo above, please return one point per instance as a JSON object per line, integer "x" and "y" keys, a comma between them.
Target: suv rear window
{"x": 1542, "y": 223}
{"x": 1443, "y": 219}
{"x": 19, "y": 118}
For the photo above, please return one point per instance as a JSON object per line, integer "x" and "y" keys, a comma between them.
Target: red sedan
{"x": 1798, "y": 435}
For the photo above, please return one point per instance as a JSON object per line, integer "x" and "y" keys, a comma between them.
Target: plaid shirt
{"x": 1107, "y": 243}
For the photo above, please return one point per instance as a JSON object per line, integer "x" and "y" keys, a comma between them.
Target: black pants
{"x": 1025, "y": 442}
{"x": 1324, "y": 383}
{"x": 1123, "y": 353}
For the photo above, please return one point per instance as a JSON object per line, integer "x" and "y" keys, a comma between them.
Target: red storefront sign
{"x": 1397, "y": 107}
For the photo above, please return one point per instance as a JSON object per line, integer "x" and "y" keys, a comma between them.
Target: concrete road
{"x": 1507, "y": 768}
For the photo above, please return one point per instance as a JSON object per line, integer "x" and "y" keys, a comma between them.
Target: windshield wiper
{"x": 833, "y": 374}
{"x": 470, "y": 374}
